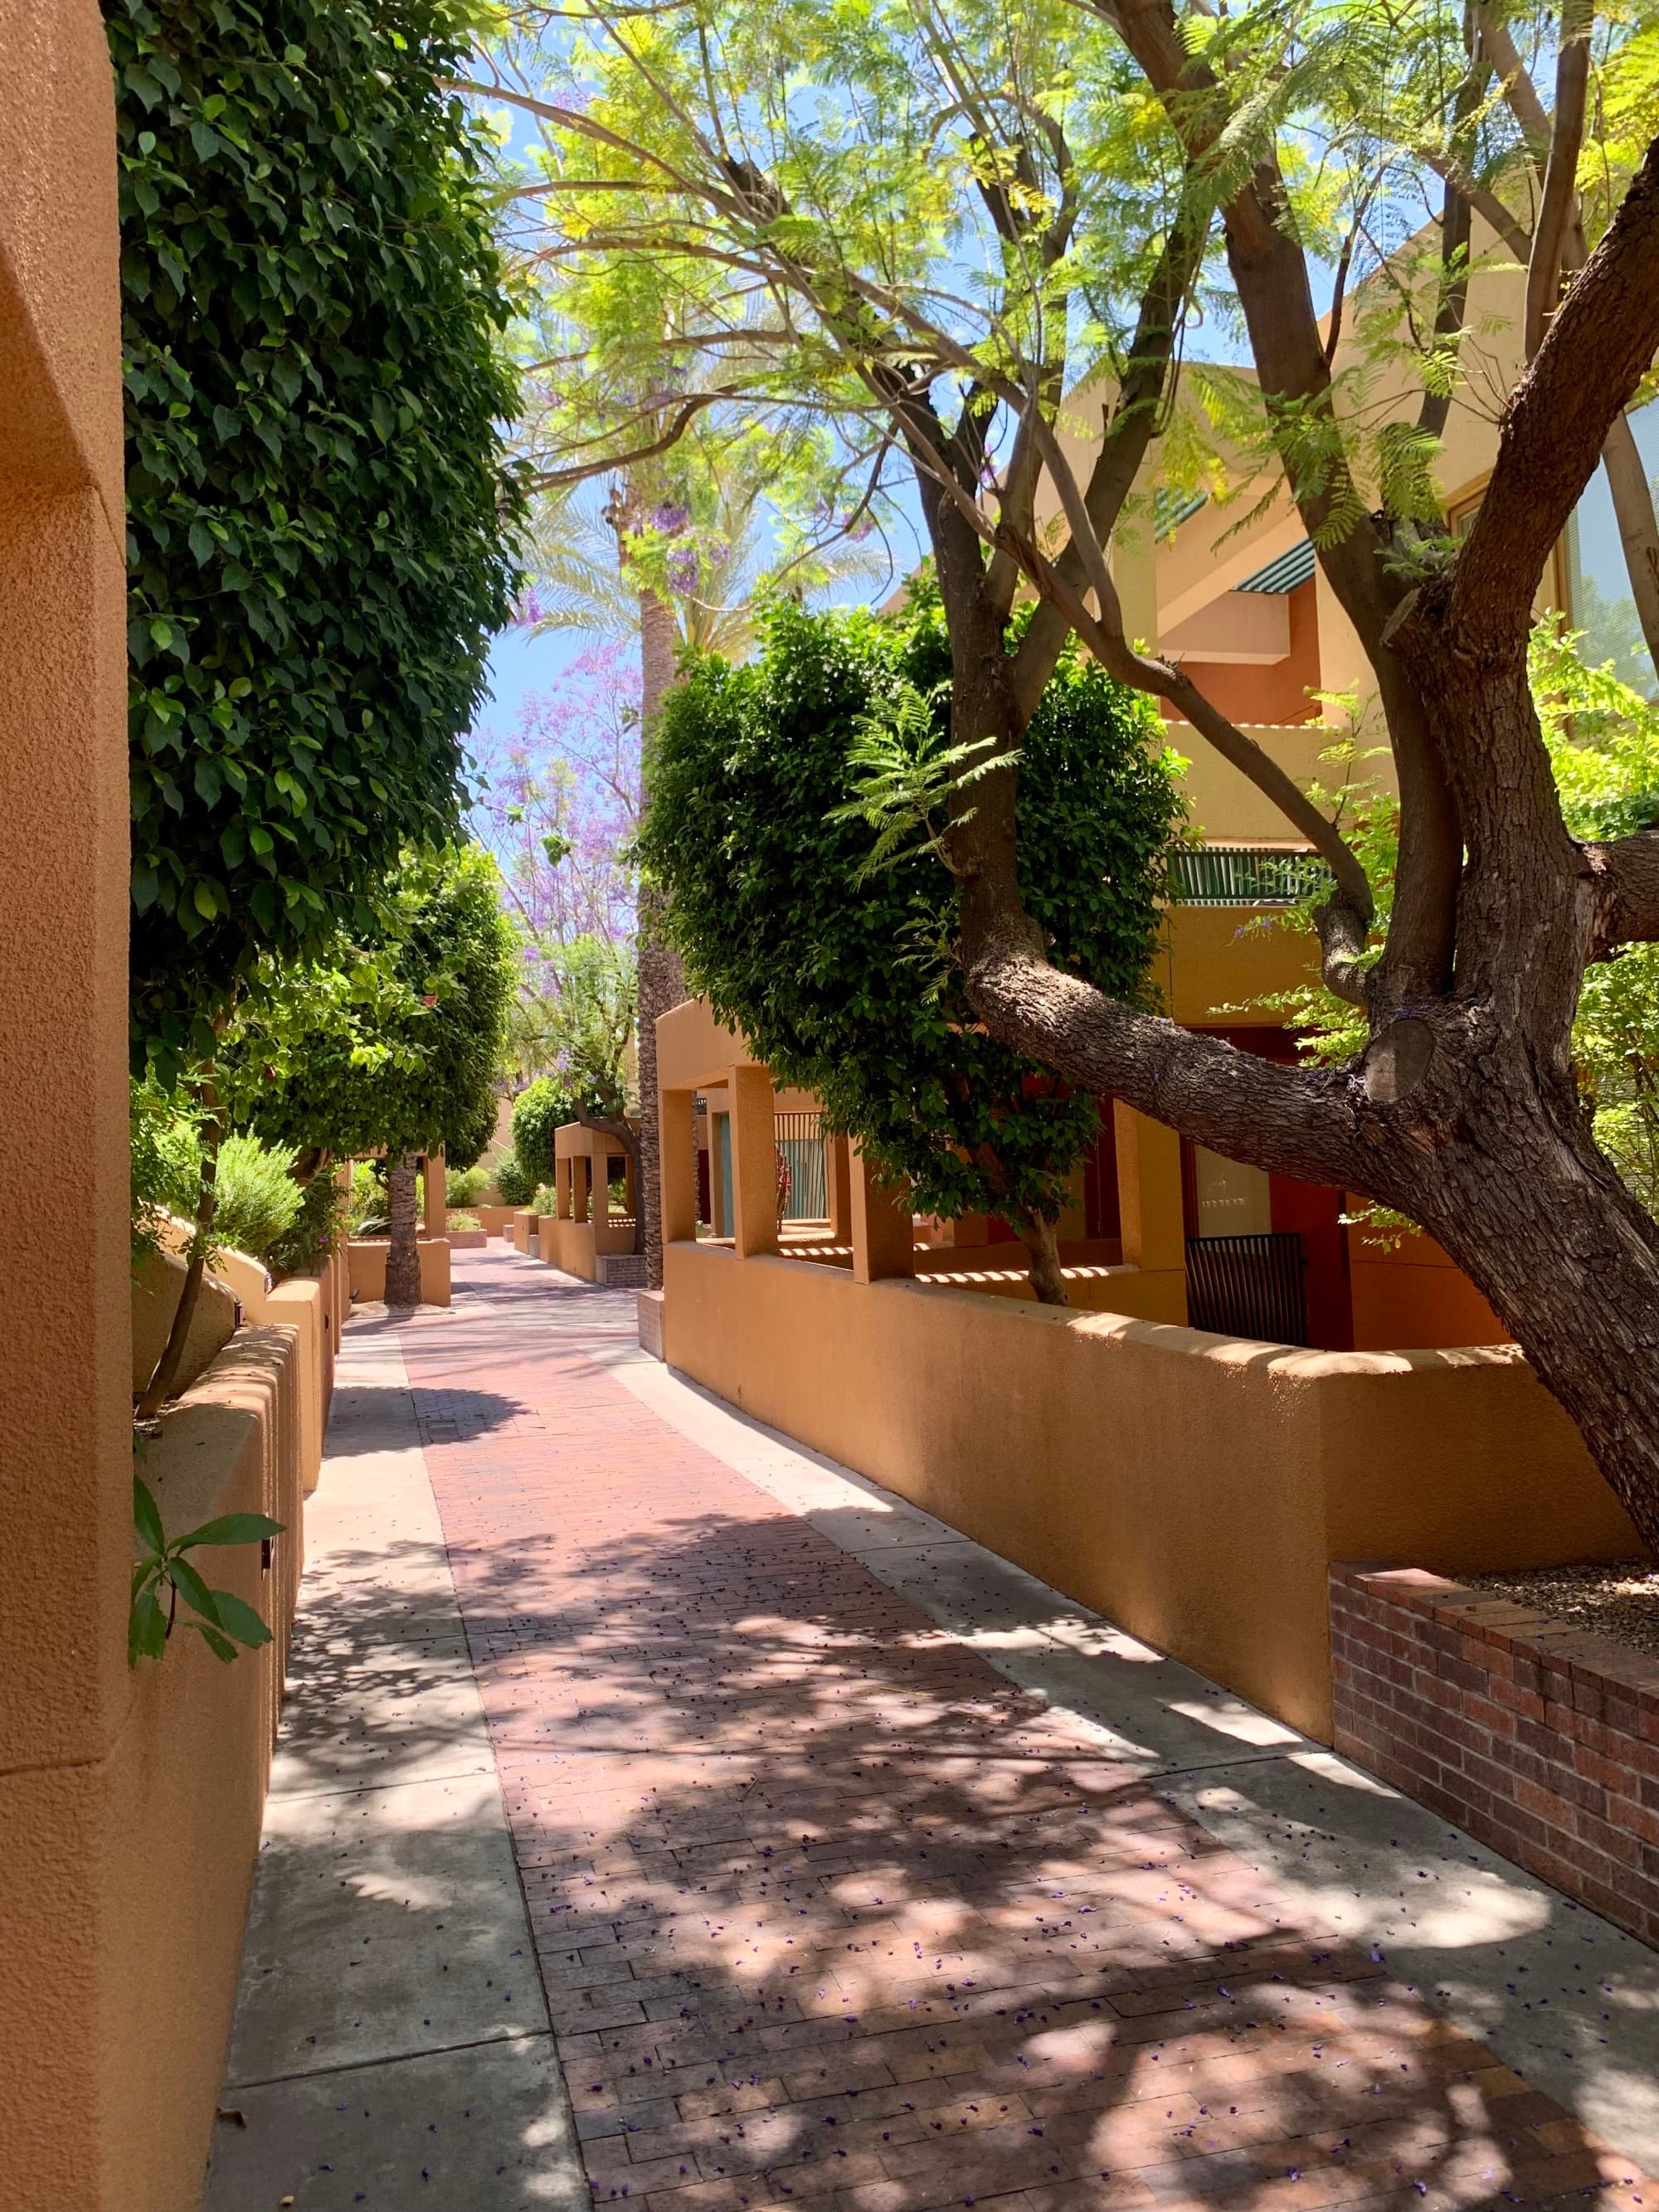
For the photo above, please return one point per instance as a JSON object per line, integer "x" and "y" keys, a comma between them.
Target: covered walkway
{"x": 663, "y": 1812}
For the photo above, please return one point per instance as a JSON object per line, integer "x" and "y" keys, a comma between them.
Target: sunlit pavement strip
{"x": 392, "y": 2047}
{"x": 863, "y": 1867}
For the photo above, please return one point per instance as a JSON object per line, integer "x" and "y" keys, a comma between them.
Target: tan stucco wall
{"x": 308, "y": 1304}
{"x": 156, "y": 1292}
{"x": 1208, "y": 961}
{"x": 1193, "y": 1488}
{"x": 568, "y": 1245}
{"x": 186, "y": 1783}
{"x": 366, "y": 1258}
{"x": 65, "y": 1467}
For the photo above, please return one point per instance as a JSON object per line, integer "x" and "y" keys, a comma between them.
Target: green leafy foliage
{"x": 258, "y": 1200}
{"x": 839, "y": 975}
{"x": 161, "y": 1574}
{"x": 514, "y": 1181}
{"x": 1603, "y": 740}
{"x": 577, "y": 1020}
{"x": 540, "y": 1111}
{"x": 466, "y": 1186}
{"x": 167, "y": 1158}
{"x": 390, "y": 1045}
{"x": 321, "y": 518}
{"x": 303, "y": 1246}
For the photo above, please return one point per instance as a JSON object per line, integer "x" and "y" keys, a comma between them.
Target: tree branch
{"x": 1270, "y": 271}
{"x": 1289, "y": 1120}
{"x": 1627, "y": 878}
{"x": 1125, "y": 433}
{"x": 1599, "y": 345}
{"x": 1559, "y": 201}
{"x": 1166, "y": 679}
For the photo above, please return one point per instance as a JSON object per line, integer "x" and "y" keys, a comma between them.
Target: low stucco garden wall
{"x": 184, "y": 1787}
{"x": 1194, "y": 1488}
{"x": 367, "y": 1259}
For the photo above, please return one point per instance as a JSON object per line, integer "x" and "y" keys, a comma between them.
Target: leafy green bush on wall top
{"x": 514, "y": 1181}
{"x": 320, "y": 517}
{"x": 839, "y": 976}
{"x": 541, "y": 1109}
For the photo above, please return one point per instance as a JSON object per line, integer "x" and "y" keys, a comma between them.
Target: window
{"x": 1598, "y": 582}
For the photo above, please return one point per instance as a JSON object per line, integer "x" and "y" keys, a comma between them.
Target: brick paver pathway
{"x": 828, "y": 1910}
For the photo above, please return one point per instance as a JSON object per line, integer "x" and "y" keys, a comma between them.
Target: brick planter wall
{"x": 1540, "y": 1740}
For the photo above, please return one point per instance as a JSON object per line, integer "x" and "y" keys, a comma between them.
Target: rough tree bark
{"x": 403, "y": 1251}
{"x": 1463, "y": 1110}
{"x": 661, "y": 982}
{"x": 1041, "y": 1241}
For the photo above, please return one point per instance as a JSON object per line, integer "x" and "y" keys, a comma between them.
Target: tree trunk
{"x": 159, "y": 1388}
{"x": 1638, "y": 530}
{"x": 1041, "y": 1241}
{"x": 403, "y": 1251}
{"x": 661, "y": 982}
{"x": 1542, "y": 1225}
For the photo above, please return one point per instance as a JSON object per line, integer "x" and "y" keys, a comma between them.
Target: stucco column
{"x": 838, "y": 1190}
{"x": 884, "y": 1240}
{"x": 581, "y": 1184}
{"x": 677, "y": 1166}
{"x": 72, "y": 2058}
{"x": 563, "y": 1202}
{"x": 1148, "y": 1191}
{"x": 437, "y": 1195}
{"x": 599, "y": 1168}
{"x": 752, "y": 1131}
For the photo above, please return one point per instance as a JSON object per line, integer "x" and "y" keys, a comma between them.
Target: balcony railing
{"x": 1248, "y": 1287}
{"x": 1245, "y": 875}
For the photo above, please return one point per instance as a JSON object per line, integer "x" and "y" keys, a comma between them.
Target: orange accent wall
{"x": 1414, "y": 1295}
{"x": 1278, "y": 693}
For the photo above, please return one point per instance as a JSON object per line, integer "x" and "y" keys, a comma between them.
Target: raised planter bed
{"x": 1539, "y": 1739}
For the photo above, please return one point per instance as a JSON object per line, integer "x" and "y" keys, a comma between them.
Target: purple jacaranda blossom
{"x": 671, "y": 518}
{"x": 684, "y": 571}
{"x": 566, "y": 781}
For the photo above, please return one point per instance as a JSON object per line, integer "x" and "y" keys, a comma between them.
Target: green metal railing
{"x": 1245, "y": 875}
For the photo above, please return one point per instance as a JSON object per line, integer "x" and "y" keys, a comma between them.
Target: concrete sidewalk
{"x": 392, "y": 2047}
{"x": 840, "y": 1836}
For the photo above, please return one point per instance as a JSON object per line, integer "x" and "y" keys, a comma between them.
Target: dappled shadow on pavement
{"x": 827, "y": 1908}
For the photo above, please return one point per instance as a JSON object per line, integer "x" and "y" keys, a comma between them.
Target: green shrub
{"x": 367, "y": 1205}
{"x": 539, "y": 1113}
{"x": 166, "y": 1157}
{"x": 467, "y": 1186}
{"x": 546, "y": 1199}
{"x": 302, "y": 1247}
{"x": 258, "y": 1200}
{"x": 514, "y": 1181}
{"x": 465, "y": 1221}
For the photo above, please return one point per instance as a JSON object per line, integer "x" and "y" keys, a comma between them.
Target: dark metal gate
{"x": 1248, "y": 1287}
